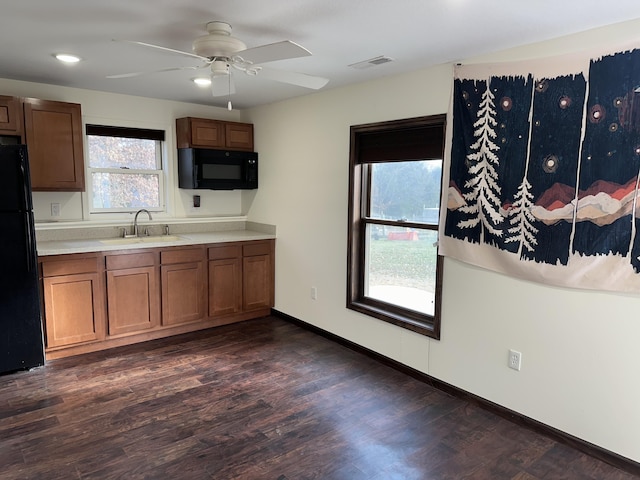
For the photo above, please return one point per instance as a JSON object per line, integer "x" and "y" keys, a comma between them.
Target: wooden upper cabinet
{"x": 206, "y": 133}
{"x": 197, "y": 132}
{"x": 239, "y": 136}
{"x": 11, "y": 122}
{"x": 53, "y": 132}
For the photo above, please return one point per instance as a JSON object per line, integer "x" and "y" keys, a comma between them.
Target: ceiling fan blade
{"x": 222, "y": 85}
{"x": 166, "y": 49}
{"x": 274, "y": 51}
{"x": 294, "y": 78}
{"x": 137, "y": 74}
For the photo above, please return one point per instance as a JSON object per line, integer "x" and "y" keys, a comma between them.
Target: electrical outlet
{"x": 314, "y": 293}
{"x": 55, "y": 209}
{"x": 515, "y": 360}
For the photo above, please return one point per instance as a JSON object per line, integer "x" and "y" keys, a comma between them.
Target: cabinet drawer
{"x": 117, "y": 262}
{"x": 182, "y": 256}
{"x": 55, "y": 268}
{"x": 252, "y": 249}
{"x": 227, "y": 251}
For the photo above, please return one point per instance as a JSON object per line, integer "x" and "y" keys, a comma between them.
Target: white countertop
{"x": 61, "y": 247}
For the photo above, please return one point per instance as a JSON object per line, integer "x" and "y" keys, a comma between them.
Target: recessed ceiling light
{"x": 67, "y": 58}
{"x": 202, "y": 81}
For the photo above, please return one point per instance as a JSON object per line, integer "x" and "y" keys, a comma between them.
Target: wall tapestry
{"x": 542, "y": 170}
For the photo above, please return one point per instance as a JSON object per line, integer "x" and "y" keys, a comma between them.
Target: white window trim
{"x": 99, "y": 211}
{"x": 167, "y": 154}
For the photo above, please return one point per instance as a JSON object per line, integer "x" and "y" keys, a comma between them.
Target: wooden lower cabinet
{"x": 73, "y": 309}
{"x": 257, "y": 276}
{"x": 73, "y": 298}
{"x": 240, "y": 277}
{"x": 183, "y": 286}
{"x": 225, "y": 280}
{"x": 108, "y": 299}
{"x": 133, "y": 297}
{"x": 132, "y": 300}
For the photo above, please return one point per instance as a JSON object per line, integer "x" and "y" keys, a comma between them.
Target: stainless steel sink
{"x": 149, "y": 239}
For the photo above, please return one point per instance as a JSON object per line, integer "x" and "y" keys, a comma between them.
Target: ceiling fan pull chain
{"x": 229, "y": 106}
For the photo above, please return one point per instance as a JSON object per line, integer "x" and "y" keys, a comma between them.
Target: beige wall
{"x": 579, "y": 349}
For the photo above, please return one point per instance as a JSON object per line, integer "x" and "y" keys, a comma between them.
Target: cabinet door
{"x": 257, "y": 282}
{"x": 207, "y": 133}
{"x": 10, "y": 116}
{"x": 133, "y": 300}
{"x": 74, "y": 309}
{"x": 54, "y": 138}
{"x": 225, "y": 286}
{"x": 239, "y": 136}
{"x": 183, "y": 293}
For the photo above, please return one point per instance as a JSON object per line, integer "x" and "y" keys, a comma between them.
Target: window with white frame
{"x": 125, "y": 169}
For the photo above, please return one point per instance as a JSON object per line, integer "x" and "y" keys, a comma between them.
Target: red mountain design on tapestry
{"x": 614, "y": 190}
{"x": 557, "y": 196}
{"x": 560, "y": 194}
{"x": 602, "y": 203}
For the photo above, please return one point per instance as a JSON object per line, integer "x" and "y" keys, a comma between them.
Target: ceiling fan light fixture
{"x": 202, "y": 81}
{"x": 219, "y": 67}
{"x": 67, "y": 57}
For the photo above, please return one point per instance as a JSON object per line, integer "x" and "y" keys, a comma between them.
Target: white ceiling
{"x": 415, "y": 33}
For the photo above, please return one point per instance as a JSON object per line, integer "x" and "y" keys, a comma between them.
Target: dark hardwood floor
{"x": 263, "y": 399}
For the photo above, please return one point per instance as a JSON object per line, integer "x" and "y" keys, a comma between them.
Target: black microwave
{"x": 205, "y": 168}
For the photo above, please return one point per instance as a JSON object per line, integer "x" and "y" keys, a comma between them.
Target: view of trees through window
{"x": 125, "y": 173}
{"x": 406, "y": 190}
{"x": 401, "y": 260}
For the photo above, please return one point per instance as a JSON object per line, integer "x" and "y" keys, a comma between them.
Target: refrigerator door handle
{"x": 25, "y": 185}
{"x": 28, "y": 243}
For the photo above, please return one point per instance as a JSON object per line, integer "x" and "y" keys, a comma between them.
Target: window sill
{"x": 414, "y": 321}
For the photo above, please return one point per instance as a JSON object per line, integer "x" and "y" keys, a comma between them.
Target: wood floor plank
{"x": 263, "y": 399}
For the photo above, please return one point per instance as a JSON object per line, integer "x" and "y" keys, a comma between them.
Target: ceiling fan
{"x": 221, "y": 52}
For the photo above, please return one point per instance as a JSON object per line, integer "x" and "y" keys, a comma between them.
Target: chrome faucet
{"x": 135, "y": 220}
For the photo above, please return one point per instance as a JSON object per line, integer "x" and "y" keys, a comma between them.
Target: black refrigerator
{"x": 21, "y": 338}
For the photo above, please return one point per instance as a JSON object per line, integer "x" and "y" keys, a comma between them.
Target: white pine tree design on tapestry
{"x": 483, "y": 202}
{"x": 522, "y": 219}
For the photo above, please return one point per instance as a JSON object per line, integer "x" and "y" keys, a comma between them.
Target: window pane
{"x": 119, "y": 152}
{"x": 126, "y": 190}
{"x": 406, "y": 190}
{"x": 401, "y": 267}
